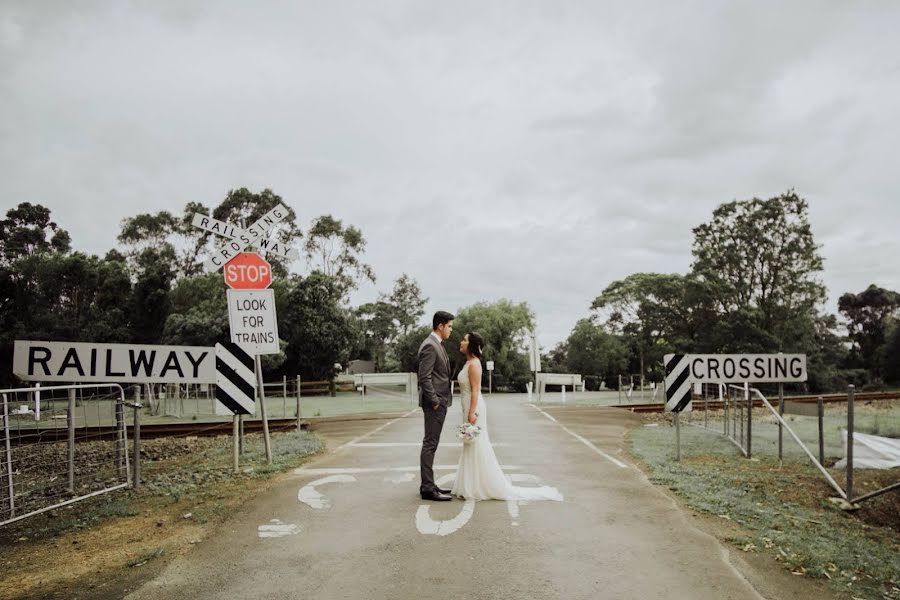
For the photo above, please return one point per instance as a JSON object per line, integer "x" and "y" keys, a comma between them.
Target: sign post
{"x": 490, "y": 368}
{"x": 251, "y": 305}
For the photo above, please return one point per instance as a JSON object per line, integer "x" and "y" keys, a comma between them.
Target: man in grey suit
{"x": 435, "y": 397}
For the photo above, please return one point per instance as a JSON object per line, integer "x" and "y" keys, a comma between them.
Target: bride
{"x": 479, "y": 476}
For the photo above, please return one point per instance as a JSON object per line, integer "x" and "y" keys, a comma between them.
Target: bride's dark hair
{"x": 476, "y": 344}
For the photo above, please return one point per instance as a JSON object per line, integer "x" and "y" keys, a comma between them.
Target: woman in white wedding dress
{"x": 479, "y": 476}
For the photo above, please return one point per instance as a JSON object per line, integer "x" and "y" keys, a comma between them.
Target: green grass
{"x": 783, "y": 511}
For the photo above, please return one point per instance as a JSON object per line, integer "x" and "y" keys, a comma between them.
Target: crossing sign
{"x": 251, "y": 316}
{"x": 248, "y": 271}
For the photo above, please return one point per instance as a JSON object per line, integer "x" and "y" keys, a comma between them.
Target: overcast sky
{"x": 534, "y": 151}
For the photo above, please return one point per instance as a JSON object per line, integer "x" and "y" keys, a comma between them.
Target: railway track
{"x": 718, "y": 405}
{"x": 149, "y": 431}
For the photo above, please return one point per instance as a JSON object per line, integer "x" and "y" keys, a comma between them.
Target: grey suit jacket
{"x": 434, "y": 374}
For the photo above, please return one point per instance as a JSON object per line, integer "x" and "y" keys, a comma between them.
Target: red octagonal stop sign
{"x": 248, "y": 271}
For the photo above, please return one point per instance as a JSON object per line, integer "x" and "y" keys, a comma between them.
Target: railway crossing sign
{"x": 248, "y": 271}
{"x": 251, "y": 316}
{"x": 235, "y": 381}
{"x": 682, "y": 370}
{"x": 239, "y": 239}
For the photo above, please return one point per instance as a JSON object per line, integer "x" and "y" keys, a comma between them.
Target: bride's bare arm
{"x": 475, "y": 382}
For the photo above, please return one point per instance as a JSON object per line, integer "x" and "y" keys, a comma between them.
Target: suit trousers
{"x": 434, "y": 424}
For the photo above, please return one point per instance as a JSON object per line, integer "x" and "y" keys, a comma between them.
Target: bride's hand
{"x": 473, "y": 418}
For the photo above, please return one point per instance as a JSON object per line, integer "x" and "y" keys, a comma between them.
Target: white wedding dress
{"x": 479, "y": 476}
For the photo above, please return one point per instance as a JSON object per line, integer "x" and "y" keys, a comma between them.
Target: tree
{"x": 391, "y": 316}
{"x": 654, "y": 313}
{"x": 505, "y": 327}
{"x": 191, "y": 245}
{"x": 199, "y": 314}
{"x": 593, "y": 351}
{"x": 868, "y": 315}
{"x": 336, "y": 250}
{"x": 760, "y": 255}
{"x": 318, "y": 330}
{"x": 27, "y": 230}
{"x": 406, "y": 348}
{"x": 150, "y": 301}
{"x": 891, "y": 353}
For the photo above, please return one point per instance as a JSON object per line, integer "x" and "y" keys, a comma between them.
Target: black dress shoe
{"x": 436, "y": 496}
{"x": 445, "y": 492}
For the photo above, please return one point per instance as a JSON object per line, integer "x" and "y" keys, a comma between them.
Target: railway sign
{"x": 248, "y": 271}
{"x": 682, "y": 370}
{"x": 239, "y": 239}
{"x": 251, "y": 315}
{"x": 235, "y": 381}
{"x": 119, "y": 363}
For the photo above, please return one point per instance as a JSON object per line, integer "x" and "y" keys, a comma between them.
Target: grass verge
{"x": 104, "y": 546}
{"x": 781, "y": 510}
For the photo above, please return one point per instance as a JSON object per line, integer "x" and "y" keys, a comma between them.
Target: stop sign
{"x": 248, "y": 271}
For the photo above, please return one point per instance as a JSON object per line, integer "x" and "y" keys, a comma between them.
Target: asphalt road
{"x": 351, "y": 525}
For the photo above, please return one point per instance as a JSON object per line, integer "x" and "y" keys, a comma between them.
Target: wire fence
{"x": 56, "y": 447}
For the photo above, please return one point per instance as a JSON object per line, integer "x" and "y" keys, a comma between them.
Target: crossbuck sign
{"x": 239, "y": 239}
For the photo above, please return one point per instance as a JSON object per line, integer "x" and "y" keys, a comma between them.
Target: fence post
{"x": 70, "y": 421}
{"x": 299, "y": 383}
{"x": 236, "y": 443}
{"x": 749, "y": 419}
{"x": 333, "y": 388}
{"x": 851, "y": 394}
{"x": 284, "y": 396}
{"x": 267, "y": 442}
{"x": 136, "y": 473}
{"x": 120, "y": 431}
{"x": 9, "y": 472}
{"x": 780, "y": 427}
{"x": 620, "y": 389}
{"x": 821, "y": 413}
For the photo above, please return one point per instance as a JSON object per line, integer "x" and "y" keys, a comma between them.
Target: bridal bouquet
{"x": 468, "y": 432}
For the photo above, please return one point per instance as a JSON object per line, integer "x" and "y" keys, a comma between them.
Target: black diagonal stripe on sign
{"x": 673, "y": 388}
{"x": 240, "y": 354}
{"x": 230, "y": 403}
{"x": 683, "y": 402}
{"x": 240, "y": 383}
{"x": 673, "y": 364}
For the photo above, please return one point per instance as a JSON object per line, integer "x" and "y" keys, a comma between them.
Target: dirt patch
{"x": 103, "y": 546}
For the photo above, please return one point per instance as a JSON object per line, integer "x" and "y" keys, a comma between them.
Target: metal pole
{"x": 70, "y": 421}
{"x": 241, "y": 433}
{"x": 491, "y": 382}
{"x": 298, "y": 402}
{"x": 620, "y": 389}
{"x": 120, "y": 438}
{"x": 262, "y": 407}
{"x": 780, "y": 428}
{"x": 9, "y": 471}
{"x": 677, "y": 437}
{"x": 851, "y": 394}
{"x": 749, "y": 419}
{"x": 821, "y": 413}
{"x": 136, "y": 477}
{"x": 705, "y": 407}
{"x": 236, "y": 442}
{"x": 724, "y": 400}
{"x": 283, "y": 396}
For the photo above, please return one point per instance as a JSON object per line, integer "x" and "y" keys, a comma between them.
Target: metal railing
{"x": 39, "y": 471}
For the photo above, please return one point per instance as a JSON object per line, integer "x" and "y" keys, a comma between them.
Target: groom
{"x": 435, "y": 397}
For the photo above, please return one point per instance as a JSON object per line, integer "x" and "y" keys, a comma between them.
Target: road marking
{"x": 408, "y": 444}
{"x": 428, "y": 526}
{"x": 587, "y": 443}
{"x": 400, "y": 478}
{"x": 356, "y": 471}
{"x": 371, "y": 433}
{"x": 309, "y": 495}
{"x": 277, "y": 529}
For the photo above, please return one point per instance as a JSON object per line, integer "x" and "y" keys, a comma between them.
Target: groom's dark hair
{"x": 441, "y": 317}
